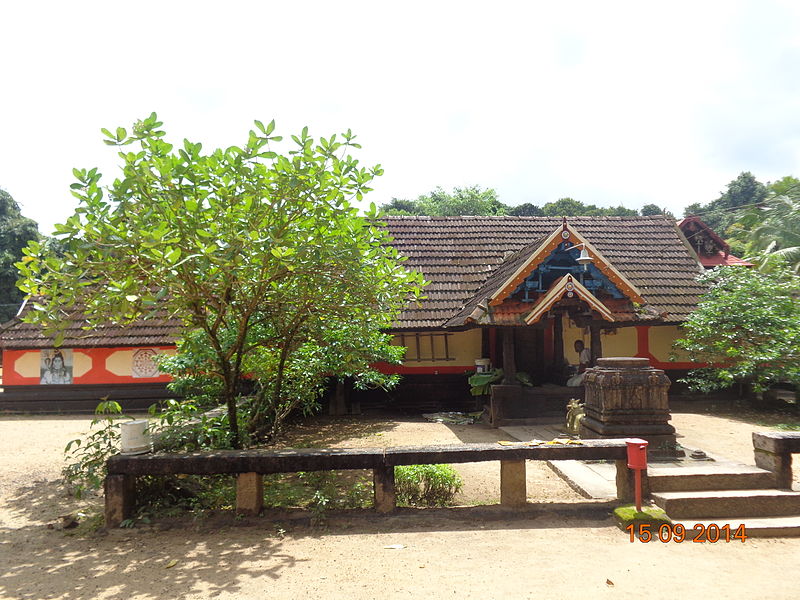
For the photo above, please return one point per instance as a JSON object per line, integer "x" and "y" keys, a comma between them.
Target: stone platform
{"x": 596, "y": 479}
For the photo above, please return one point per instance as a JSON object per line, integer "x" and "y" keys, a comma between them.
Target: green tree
{"x": 618, "y": 211}
{"x": 475, "y": 201}
{"x": 260, "y": 254}
{"x": 747, "y": 328}
{"x": 743, "y": 192}
{"x": 15, "y": 233}
{"x": 461, "y": 202}
{"x": 526, "y": 209}
{"x": 775, "y": 237}
{"x": 785, "y": 186}
{"x": 653, "y": 209}
{"x": 568, "y": 207}
{"x": 398, "y": 206}
{"x": 650, "y": 210}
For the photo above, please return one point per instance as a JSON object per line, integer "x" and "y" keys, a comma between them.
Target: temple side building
{"x": 712, "y": 251}
{"x": 92, "y": 363}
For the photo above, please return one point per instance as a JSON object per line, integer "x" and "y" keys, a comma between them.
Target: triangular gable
{"x": 563, "y": 234}
{"x": 570, "y": 287}
{"x": 685, "y": 226}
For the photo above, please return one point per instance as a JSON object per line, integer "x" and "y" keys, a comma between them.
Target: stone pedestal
{"x": 626, "y": 397}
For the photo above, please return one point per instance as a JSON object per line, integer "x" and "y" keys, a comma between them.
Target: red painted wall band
{"x": 97, "y": 373}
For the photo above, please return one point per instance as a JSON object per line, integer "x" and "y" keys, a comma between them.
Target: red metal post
{"x": 637, "y": 460}
{"x": 638, "y": 475}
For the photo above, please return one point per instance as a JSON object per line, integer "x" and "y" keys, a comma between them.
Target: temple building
{"x": 515, "y": 292}
{"x": 521, "y": 291}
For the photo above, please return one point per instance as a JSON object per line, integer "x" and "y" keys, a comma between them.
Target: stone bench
{"x": 773, "y": 452}
{"x": 250, "y": 465}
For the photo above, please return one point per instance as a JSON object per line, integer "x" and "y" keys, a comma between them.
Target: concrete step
{"x": 753, "y": 527}
{"x": 714, "y": 504}
{"x": 732, "y": 477}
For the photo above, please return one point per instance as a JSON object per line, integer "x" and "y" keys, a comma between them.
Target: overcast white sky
{"x": 607, "y": 102}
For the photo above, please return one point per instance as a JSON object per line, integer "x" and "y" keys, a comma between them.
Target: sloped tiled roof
{"x": 720, "y": 259}
{"x": 460, "y": 256}
{"x": 17, "y": 335}
{"x": 466, "y": 259}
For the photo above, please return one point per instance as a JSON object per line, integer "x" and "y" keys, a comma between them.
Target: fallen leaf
{"x": 609, "y": 583}
{"x": 171, "y": 563}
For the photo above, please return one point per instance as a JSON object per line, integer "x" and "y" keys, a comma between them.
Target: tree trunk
{"x": 233, "y": 421}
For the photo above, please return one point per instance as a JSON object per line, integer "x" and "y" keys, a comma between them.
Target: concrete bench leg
{"x": 249, "y": 493}
{"x": 779, "y": 464}
{"x": 385, "y": 495}
{"x": 513, "y": 490}
{"x": 120, "y": 492}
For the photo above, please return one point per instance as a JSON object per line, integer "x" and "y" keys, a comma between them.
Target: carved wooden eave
{"x": 569, "y": 287}
{"x": 565, "y": 233}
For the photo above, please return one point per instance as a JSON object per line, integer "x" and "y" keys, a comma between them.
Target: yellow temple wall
{"x": 463, "y": 347}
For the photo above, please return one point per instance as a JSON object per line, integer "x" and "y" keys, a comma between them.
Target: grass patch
{"x": 198, "y": 496}
{"x": 88, "y": 525}
{"x": 627, "y": 514}
{"x": 788, "y": 426}
{"x": 319, "y": 489}
{"x": 427, "y": 485}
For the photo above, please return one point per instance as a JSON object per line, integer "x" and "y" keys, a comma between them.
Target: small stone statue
{"x": 574, "y": 415}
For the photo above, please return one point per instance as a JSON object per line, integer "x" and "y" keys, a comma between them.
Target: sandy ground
{"x": 563, "y": 549}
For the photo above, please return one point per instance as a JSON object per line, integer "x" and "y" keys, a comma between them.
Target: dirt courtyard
{"x": 561, "y": 547}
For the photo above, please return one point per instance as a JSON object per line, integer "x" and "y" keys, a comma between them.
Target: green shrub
{"x": 480, "y": 383}
{"x": 427, "y": 485}
{"x": 85, "y": 468}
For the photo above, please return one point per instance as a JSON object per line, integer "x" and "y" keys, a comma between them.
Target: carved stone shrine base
{"x": 625, "y": 397}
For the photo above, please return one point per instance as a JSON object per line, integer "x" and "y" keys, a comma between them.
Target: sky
{"x": 609, "y": 103}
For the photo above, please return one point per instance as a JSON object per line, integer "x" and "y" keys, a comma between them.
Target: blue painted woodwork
{"x": 563, "y": 260}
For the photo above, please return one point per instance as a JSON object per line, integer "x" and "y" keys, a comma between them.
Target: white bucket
{"x": 483, "y": 365}
{"x": 135, "y": 437}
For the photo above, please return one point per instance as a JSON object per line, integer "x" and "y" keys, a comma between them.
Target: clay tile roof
{"x": 158, "y": 331}
{"x": 720, "y": 259}
{"x": 464, "y": 258}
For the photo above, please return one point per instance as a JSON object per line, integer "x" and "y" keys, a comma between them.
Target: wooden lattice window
{"x": 424, "y": 346}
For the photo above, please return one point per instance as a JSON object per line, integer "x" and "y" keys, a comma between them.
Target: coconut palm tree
{"x": 777, "y": 238}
